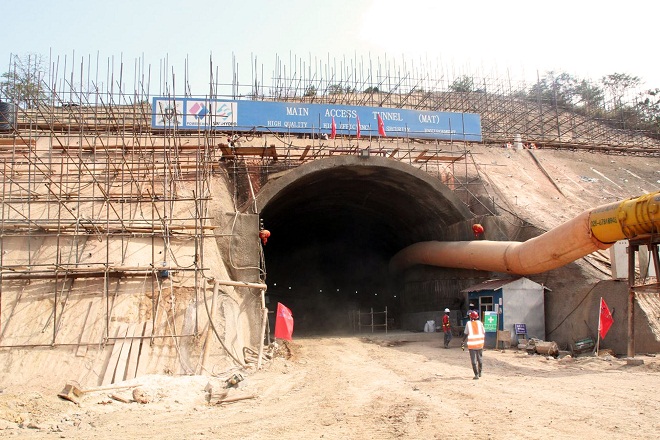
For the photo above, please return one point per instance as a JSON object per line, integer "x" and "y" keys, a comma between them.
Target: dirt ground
{"x": 400, "y": 385}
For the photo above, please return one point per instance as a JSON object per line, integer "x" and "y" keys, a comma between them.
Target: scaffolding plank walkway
{"x": 109, "y": 375}
{"x": 145, "y": 348}
{"x": 122, "y": 362}
{"x": 136, "y": 342}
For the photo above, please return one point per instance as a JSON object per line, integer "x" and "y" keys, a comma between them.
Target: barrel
{"x": 7, "y": 116}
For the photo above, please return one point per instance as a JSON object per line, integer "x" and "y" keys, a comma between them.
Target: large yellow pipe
{"x": 595, "y": 229}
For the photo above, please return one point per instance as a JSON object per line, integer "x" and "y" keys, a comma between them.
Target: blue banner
{"x": 312, "y": 119}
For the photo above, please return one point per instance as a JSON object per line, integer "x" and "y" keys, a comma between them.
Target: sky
{"x": 521, "y": 39}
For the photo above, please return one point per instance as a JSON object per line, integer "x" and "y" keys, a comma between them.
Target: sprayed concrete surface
{"x": 347, "y": 387}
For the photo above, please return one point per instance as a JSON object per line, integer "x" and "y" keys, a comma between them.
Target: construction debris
{"x": 538, "y": 346}
{"x": 234, "y": 380}
{"x": 218, "y": 394}
{"x": 141, "y": 396}
{"x": 74, "y": 393}
{"x": 584, "y": 345}
{"x": 121, "y": 398}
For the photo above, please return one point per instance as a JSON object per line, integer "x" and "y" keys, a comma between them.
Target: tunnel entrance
{"x": 335, "y": 223}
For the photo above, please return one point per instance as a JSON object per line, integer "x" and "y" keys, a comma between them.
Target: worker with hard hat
{"x": 475, "y": 335}
{"x": 446, "y": 328}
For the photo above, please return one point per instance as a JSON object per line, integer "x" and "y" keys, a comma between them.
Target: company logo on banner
{"x": 167, "y": 113}
{"x": 300, "y": 118}
{"x": 193, "y": 113}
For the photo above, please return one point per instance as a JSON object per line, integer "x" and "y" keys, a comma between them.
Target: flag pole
{"x": 600, "y": 306}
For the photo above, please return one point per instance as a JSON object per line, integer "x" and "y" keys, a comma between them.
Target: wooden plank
{"x": 443, "y": 158}
{"x": 131, "y": 367}
{"x": 114, "y": 355}
{"x": 120, "y": 372}
{"x": 302, "y": 157}
{"x": 231, "y": 152}
{"x": 226, "y": 151}
{"x": 145, "y": 350}
{"x": 92, "y": 311}
{"x": 18, "y": 142}
{"x": 421, "y": 156}
{"x": 253, "y": 151}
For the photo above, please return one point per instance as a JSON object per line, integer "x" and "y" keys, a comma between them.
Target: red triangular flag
{"x": 283, "y": 323}
{"x": 605, "y": 319}
{"x": 358, "y": 127}
{"x": 381, "y": 126}
{"x": 333, "y": 129}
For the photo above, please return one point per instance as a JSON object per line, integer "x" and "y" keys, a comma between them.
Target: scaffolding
{"x": 369, "y": 320}
{"x": 90, "y": 194}
{"x": 81, "y": 163}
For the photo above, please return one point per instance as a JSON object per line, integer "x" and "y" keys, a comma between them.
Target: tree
{"x": 617, "y": 84}
{"x": 310, "y": 91}
{"x": 560, "y": 89}
{"x": 462, "y": 84}
{"x": 23, "y": 84}
{"x": 335, "y": 89}
{"x": 649, "y": 107}
{"x": 588, "y": 95}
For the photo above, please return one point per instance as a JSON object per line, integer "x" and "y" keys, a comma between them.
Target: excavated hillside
{"x": 182, "y": 194}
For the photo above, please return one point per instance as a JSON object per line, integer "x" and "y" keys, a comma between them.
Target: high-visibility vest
{"x": 476, "y": 336}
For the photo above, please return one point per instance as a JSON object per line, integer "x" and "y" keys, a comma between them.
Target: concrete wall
{"x": 523, "y": 303}
{"x": 578, "y": 318}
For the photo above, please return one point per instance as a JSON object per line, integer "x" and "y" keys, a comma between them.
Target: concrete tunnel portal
{"x": 335, "y": 223}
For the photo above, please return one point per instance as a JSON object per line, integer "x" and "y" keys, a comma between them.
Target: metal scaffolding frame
{"x": 75, "y": 173}
{"x": 81, "y": 161}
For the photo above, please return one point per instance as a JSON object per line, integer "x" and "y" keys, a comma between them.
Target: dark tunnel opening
{"x": 333, "y": 232}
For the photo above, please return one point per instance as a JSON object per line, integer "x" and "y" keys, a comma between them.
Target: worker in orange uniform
{"x": 446, "y": 328}
{"x": 475, "y": 335}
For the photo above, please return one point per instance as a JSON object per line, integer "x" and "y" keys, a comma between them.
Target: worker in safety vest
{"x": 475, "y": 335}
{"x": 446, "y": 328}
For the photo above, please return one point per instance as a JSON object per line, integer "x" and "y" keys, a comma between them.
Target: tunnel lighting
{"x": 395, "y": 296}
{"x": 274, "y": 284}
{"x": 375, "y": 294}
{"x": 289, "y": 287}
{"x": 320, "y": 290}
{"x": 337, "y": 290}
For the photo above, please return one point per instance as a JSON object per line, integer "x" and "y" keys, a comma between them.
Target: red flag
{"x": 283, "y": 323}
{"x": 605, "y": 319}
{"x": 333, "y": 130}
{"x": 381, "y": 126}
{"x": 358, "y": 127}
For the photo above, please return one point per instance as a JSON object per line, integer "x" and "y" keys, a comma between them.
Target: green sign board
{"x": 490, "y": 322}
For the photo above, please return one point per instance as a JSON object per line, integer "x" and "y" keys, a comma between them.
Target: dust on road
{"x": 402, "y": 385}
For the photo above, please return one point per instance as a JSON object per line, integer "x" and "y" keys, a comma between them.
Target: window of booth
{"x": 485, "y": 305}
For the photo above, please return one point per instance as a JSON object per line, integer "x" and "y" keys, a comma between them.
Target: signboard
{"x": 490, "y": 322}
{"x": 521, "y": 329}
{"x": 287, "y": 117}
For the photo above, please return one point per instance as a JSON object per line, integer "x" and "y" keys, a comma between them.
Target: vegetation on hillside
{"x": 614, "y": 99}
{"x": 23, "y": 84}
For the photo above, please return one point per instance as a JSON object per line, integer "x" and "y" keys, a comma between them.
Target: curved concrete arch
{"x": 334, "y": 225}
{"x": 398, "y": 175}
